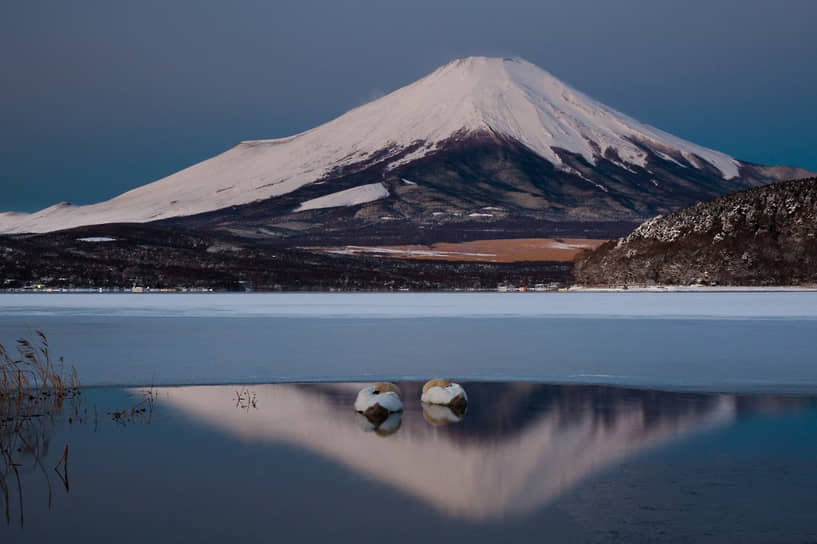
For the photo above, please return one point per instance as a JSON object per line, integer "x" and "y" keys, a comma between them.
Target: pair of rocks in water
{"x": 441, "y": 400}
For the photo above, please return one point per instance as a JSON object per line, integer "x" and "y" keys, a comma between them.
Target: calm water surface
{"x": 293, "y": 462}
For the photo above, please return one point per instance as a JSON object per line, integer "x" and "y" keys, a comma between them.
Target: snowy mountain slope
{"x": 508, "y": 99}
{"x": 9, "y": 219}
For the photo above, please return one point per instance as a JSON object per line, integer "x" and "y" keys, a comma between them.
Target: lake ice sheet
{"x": 717, "y": 341}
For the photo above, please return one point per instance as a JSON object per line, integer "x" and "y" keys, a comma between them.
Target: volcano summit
{"x": 481, "y": 147}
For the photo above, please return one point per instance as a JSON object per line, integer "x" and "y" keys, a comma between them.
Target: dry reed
{"x": 33, "y": 390}
{"x": 139, "y": 412}
{"x": 245, "y": 399}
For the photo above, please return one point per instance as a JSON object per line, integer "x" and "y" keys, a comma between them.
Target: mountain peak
{"x": 517, "y": 99}
{"x": 479, "y": 60}
{"x": 476, "y": 62}
{"x": 508, "y": 98}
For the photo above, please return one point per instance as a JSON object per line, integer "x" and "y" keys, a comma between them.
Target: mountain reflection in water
{"x": 517, "y": 448}
{"x": 296, "y": 463}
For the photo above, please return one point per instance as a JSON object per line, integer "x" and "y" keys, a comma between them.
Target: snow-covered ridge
{"x": 508, "y": 97}
{"x": 8, "y": 220}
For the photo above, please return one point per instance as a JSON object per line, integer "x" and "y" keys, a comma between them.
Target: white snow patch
{"x": 408, "y": 181}
{"x": 585, "y": 178}
{"x": 410, "y": 157}
{"x": 480, "y": 214}
{"x": 97, "y": 239}
{"x": 624, "y": 167}
{"x": 356, "y": 250}
{"x": 562, "y": 245}
{"x": 668, "y": 158}
{"x": 348, "y": 197}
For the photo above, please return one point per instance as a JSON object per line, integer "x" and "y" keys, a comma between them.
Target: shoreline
{"x": 511, "y": 290}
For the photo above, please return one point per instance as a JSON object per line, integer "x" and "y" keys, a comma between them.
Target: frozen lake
{"x": 708, "y": 410}
{"x": 707, "y": 341}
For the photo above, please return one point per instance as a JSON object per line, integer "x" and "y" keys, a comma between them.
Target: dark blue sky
{"x": 98, "y": 97}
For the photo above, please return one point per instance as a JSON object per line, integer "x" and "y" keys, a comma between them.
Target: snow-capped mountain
{"x": 478, "y": 140}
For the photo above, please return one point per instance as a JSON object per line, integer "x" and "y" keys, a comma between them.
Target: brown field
{"x": 493, "y": 251}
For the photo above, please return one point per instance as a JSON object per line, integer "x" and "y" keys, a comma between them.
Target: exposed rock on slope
{"x": 761, "y": 236}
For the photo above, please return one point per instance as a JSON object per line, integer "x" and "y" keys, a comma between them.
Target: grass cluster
{"x": 33, "y": 391}
{"x": 32, "y": 374}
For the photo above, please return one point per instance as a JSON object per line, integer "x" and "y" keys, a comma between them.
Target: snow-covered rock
{"x": 443, "y": 392}
{"x": 380, "y": 396}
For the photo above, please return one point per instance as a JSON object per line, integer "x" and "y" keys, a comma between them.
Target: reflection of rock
{"x": 364, "y": 422}
{"x": 437, "y": 414}
{"x": 391, "y": 425}
{"x": 382, "y": 427}
{"x": 445, "y": 393}
{"x": 376, "y": 414}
